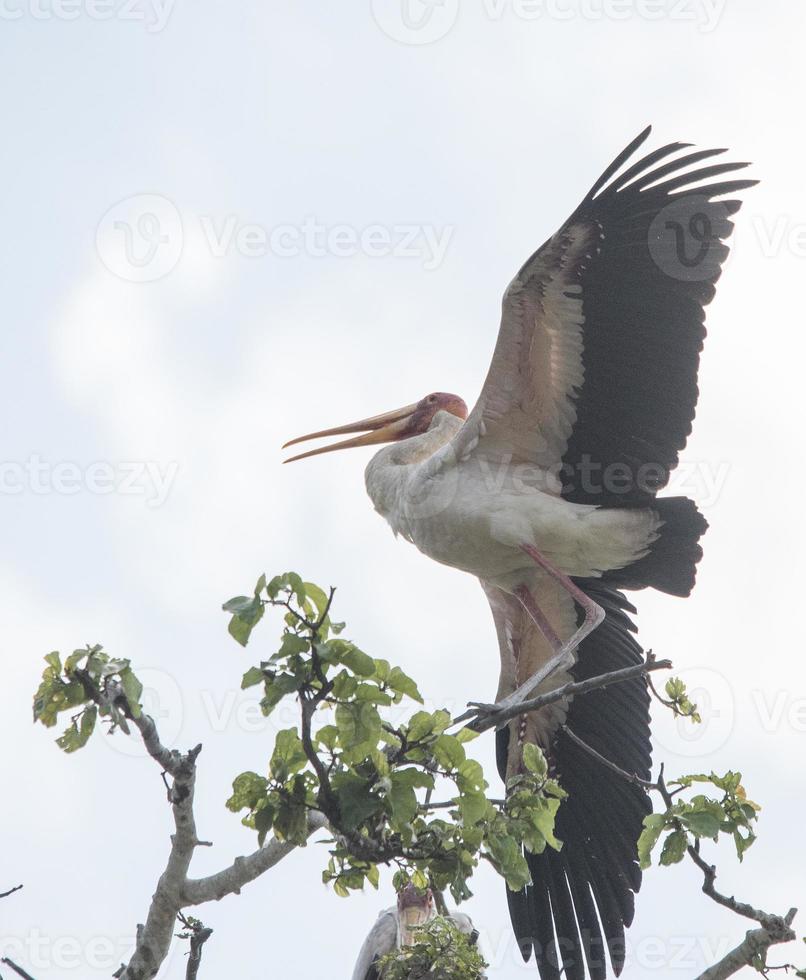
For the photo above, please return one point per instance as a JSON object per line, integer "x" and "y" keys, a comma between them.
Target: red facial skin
{"x": 410, "y": 897}
{"x": 427, "y": 408}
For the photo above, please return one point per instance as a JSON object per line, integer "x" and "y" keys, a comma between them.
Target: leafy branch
{"x": 404, "y": 795}
{"x": 372, "y": 780}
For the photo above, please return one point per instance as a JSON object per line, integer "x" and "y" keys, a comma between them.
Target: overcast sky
{"x": 230, "y": 223}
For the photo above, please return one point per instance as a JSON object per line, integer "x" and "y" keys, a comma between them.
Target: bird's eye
{"x": 432, "y": 398}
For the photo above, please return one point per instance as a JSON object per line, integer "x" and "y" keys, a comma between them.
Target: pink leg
{"x": 594, "y": 614}
{"x": 563, "y": 652}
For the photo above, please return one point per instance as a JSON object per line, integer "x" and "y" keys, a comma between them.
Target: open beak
{"x": 410, "y": 919}
{"x": 380, "y": 428}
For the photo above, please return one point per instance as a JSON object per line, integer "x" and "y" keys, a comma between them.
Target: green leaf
{"x": 275, "y": 689}
{"x": 704, "y": 822}
{"x": 472, "y": 807}
{"x": 448, "y": 751}
{"x": 317, "y": 596}
{"x": 264, "y": 820}
{"x": 133, "y": 689}
{"x": 653, "y": 827}
{"x": 291, "y": 645}
{"x": 288, "y": 756}
{"x": 356, "y": 803}
{"x": 534, "y": 760}
{"x": 543, "y": 818}
{"x": 359, "y": 729}
{"x": 77, "y": 735}
{"x": 402, "y": 796}
{"x": 358, "y": 662}
{"x": 403, "y": 685}
{"x": 248, "y": 790}
{"x": 254, "y": 675}
{"x": 674, "y": 848}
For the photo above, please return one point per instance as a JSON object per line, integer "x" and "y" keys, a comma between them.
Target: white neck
{"x": 390, "y": 470}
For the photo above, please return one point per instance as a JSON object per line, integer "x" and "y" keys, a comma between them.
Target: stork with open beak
{"x": 547, "y": 492}
{"x": 397, "y": 927}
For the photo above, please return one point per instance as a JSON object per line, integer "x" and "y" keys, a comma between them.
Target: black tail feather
{"x": 671, "y": 565}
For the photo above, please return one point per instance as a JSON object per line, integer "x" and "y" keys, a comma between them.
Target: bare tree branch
{"x": 755, "y": 946}
{"x": 198, "y": 934}
{"x": 174, "y": 891}
{"x": 11, "y": 891}
{"x": 243, "y": 869}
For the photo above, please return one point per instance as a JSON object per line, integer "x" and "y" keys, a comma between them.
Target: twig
{"x": 11, "y": 891}
{"x": 17, "y": 969}
{"x": 198, "y": 934}
{"x": 498, "y": 718}
{"x": 452, "y": 804}
{"x": 631, "y": 777}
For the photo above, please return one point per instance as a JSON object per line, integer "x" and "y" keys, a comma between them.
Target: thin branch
{"x": 11, "y": 891}
{"x": 631, "y": 777}
{"x": 453, "y": 805}
{"x": 17, "y": 969}
{"x": 496, "y": 719}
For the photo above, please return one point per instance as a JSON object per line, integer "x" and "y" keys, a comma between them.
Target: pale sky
{"x": 322, "y": 214}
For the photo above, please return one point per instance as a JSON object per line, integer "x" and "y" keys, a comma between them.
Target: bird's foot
{"x": 480, "y": 716}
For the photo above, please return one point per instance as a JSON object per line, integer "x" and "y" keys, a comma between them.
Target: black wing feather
{"x": 659, "y": 253}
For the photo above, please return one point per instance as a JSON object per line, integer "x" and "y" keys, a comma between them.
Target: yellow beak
{"x": 382, "y": 428}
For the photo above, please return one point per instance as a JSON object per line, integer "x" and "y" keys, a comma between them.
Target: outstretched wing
{"x": 582, "y": 897}
{"x": 593, "y": 382}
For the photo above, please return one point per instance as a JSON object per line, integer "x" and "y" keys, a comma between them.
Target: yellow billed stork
{"x": 547, "y": 492}
{"x": 396, "y": 927}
